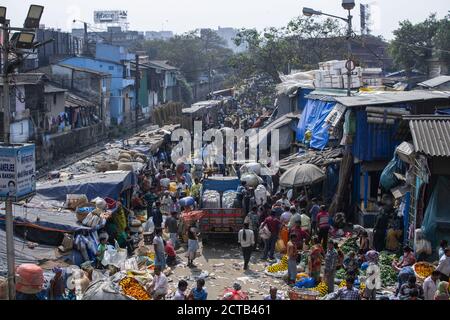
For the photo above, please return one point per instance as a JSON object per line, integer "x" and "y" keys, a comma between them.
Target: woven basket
{"x": 303, "y": 295}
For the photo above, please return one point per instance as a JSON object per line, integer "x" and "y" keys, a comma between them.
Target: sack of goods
{"x": 211, "y": 199}
{"x": 125, "y": 166}
{"x": 252, "y": 180}
{"x": 76, "y": 200}
{"x": 30, "y": 278}
{"x": 261, "y": 195}
{"x": 92, "y": 220}
{"x": 228, "y": 199}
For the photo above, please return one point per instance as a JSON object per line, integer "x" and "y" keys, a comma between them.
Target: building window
{"x": 111, "y": 68}
{"x": 54, "y": 99}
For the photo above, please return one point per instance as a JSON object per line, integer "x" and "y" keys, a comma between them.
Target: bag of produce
{"x": 211, "y": 199}
{"x": 228, "y": 199}
{"x": 260, "y": 195}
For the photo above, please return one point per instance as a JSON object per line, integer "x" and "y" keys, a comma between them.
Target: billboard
{"x": 110, "y": 16}
{"x": 17, "y": 171}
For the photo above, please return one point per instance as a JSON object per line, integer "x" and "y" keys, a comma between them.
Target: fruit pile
{"x": 301, "y": 276}
{"x": 132, "y": 288}
{"x": 322, "y": 288}
{"x": 423, "y": 269}
{"x": 280, "y": 266}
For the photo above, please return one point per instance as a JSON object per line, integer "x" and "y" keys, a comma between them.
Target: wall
{"x": 117, "y": 82}
{"x": 373, "y": 142}
{"x": 54, "y": 109}
{"x": 20, "y": 131}
{"x": 60, "y": 145}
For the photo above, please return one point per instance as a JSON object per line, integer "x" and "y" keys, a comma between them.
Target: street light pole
{"x": 8, "y": 205}
{"x": 349, "y": 61}
{"x": 347, "y": 5}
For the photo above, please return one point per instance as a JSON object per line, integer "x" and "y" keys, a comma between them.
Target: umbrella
{"x": 302, "y": 175}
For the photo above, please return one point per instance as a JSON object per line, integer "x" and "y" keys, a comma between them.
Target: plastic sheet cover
{"x": 313, "y": 119}
{"x": 436, "y": 223}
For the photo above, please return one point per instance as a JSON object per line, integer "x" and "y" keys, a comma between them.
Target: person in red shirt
{"x": 273, "y": 224}
{"x": 323, "y": 223}
{"x": 301, "y": 236}
{"x": 171, "y": 254}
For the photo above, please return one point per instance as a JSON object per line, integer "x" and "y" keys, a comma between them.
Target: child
{"x": 102, "y": 247}
{"x": 171, "y": 259}
{"x": 199, "y": 293}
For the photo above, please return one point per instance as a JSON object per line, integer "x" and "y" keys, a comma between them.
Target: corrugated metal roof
{"x": 435, "y": 82}
{"x": 431, "y": 135}
{"x": 382, "y": 98}
{"x": 48, "y": 88}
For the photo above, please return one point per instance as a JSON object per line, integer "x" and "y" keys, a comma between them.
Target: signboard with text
{"x": 17, "y": 171}
{"x": 110, "y": 16}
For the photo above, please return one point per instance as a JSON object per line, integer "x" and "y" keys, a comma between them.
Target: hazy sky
{"x": 184, "y": 15}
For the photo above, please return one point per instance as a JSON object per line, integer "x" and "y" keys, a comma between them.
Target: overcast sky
{"x": 184, "y": 15}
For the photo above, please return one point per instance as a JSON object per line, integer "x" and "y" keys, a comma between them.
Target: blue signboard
{"x": 17, "y": 171}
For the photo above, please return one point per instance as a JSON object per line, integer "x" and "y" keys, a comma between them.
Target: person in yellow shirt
{"x": 196, "y": 189}
{"x": 393, "y": 238}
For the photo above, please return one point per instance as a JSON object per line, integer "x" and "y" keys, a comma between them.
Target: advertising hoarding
{"x": 17, "y": 171}
{"x": 110, "y": 16}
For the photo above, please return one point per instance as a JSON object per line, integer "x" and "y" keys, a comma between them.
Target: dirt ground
{"x": 222, "y": 261}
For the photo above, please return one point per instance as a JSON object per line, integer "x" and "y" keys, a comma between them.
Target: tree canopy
{"x": 414, "y": 44}
{"x": 302, "y": 44}
{"x": 195, "y": 53}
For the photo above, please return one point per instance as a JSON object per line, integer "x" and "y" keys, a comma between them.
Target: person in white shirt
{"x": 286, "y": 216}
{"x": 159, "y": 286}
{"x": 296, "y": 217}
{"x": 430, "y": 285}
{"x": 180, "y": 294}
{"x": 305, "y": 221}
{"x": 246, "y": 238}
{"x": 444, "y": 265}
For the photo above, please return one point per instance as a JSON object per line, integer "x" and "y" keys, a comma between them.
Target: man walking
{"x": 273, "y": 224}
{"x": 323, "y": 221}
{"x": 292, "y": 254}
{"x": 331, "y": 259}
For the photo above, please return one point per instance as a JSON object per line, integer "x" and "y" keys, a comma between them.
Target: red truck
{"x": 221, "y": 222}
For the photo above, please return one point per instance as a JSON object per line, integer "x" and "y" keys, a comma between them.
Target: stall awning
{"x": 108, "y": 184}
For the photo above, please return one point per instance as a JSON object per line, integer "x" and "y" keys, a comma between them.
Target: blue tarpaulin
{"x": 108, "y": 184}
{"x": 313, "y": 119}
{"x": 436, "y": 223}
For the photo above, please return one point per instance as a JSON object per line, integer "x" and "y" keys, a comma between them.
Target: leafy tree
{"x": 414, "y": 44}
{"x": 195, "y": 52}
{"x": 301, "y": 44}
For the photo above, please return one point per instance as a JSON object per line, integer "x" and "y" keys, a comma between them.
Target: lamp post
{"x": 347, "y": 5}
{"x": 23, "y": 39}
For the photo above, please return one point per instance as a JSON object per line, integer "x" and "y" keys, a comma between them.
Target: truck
{"x": 224, "y": 223}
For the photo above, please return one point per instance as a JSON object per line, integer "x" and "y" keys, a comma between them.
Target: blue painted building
{"x": 115, "y": 61}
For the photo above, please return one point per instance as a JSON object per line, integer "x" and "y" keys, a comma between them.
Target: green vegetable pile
{"x": 388, "y": 274}
{"x": 341, "y": 274}
{"x": 351, "y": 244}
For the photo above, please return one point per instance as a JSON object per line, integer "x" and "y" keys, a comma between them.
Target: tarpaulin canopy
{"x": 313, "y": 119}
{"x": 24, "y": 254}
{"x": 302, "y": 175}
{"x": 436, "y": 223}
{"x": 109, "y": 184}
